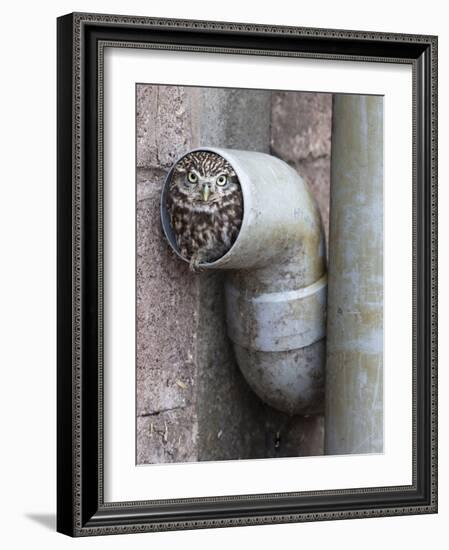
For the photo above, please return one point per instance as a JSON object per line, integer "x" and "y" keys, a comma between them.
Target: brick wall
{"x": 192, "y": 401}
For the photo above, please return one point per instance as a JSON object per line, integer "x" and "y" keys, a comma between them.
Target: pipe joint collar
{"x": 277, "y": 321}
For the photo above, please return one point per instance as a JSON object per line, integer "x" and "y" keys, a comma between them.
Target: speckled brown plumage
{"x": 205, "y": 204}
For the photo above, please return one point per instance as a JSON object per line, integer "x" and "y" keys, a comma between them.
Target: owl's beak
{"x": 206, "y": 193}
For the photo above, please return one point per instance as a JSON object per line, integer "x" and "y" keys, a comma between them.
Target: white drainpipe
{"x": 354, "y": 367}
{"x": 276, "y": 284}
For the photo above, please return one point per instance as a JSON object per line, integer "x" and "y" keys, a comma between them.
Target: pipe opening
{"x": 202, "y": 207}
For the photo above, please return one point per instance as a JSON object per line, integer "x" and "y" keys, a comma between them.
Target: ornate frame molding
{"x": 81, "y": 41}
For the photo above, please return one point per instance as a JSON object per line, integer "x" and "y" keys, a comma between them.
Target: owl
{"x": 205, "y": 205}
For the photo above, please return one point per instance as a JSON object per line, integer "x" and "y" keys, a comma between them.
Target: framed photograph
{"x": 247, "y": 279}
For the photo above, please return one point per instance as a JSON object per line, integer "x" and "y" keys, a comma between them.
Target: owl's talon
{"x": 194, "y": 265}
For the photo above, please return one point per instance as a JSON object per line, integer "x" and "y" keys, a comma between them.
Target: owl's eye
{"x": 192, "y": 177}
{"x": 221, "y": 180}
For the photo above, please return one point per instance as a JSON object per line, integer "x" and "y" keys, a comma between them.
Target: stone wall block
{"x": 164, "y": 121}
{"x": 301, "y": 129}
{"x": 168, "y": 436}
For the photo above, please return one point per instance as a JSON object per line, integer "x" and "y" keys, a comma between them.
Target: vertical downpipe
{"x": 354, "y": 370}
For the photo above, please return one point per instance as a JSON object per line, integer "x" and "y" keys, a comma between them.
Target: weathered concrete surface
{"x": 235, "y": 119}
{"x": 293, "y": 435}
{"x": 231, "y": 418}
{"x": 301, "y": 128}
{"x": 354, "y": 370}
{"x": 167, "y": 437}
{"x": 192, "y": 401}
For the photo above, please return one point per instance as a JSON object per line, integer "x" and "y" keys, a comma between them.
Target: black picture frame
{"x": 81, "y": 509}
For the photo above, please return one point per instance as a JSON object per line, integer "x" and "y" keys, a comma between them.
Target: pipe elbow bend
{"x": 276, "y": 283}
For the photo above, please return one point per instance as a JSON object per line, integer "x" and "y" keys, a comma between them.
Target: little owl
{"x": 205, "y": 205}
